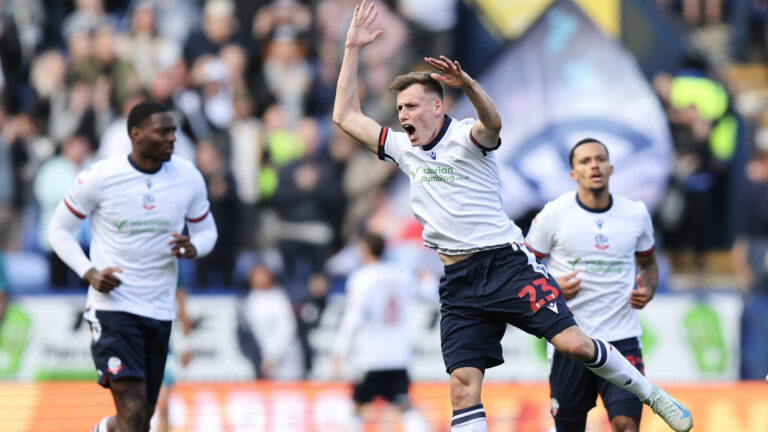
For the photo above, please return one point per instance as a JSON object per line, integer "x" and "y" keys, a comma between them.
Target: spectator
{"x": 308, "y": 199}
{"x": 148, "y": 52}
{"x": 217, "y": 268}
{"x": 50, "y": 185}
{"x": 8, "y": 218}
{"x": 287, "y": 72}
{"x": 218, "y": 29}
{"x": 270, "y": 315}
{"x": 750, "y": 250}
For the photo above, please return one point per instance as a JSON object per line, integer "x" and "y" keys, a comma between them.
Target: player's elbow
{"x": 494, "y": 124}
{"x": 339, "y": 117}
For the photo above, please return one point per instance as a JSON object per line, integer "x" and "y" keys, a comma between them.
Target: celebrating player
{"x": 137, "y": 204}
{"x": 491, "y": 278}
{"x": 597, "y": 245}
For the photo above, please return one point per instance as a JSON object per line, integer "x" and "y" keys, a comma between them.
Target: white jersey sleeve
{"x": 390, "y": 145}
{"x": 645, "y": 242}
{"x": 353, "y": 315}
{"x": 540, "y": 235}
{"x": 83, "y": 196}
{"x": 199, "y": 205}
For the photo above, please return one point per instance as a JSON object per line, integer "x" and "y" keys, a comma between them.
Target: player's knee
{"x": 465, "y": 389}
{"x": 578, "y": 349}
{"x": 624, "y": 424}
{"x": 134, "y": 412}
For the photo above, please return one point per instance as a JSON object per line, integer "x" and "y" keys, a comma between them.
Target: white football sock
{"x": 608, "y": 363}
{"x": 470, "y": 419}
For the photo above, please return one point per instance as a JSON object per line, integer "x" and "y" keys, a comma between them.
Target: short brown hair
{"x": 374, "y": 243}
{"x": 430, "y": 84}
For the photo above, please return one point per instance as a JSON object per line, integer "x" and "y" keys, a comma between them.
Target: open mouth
{"x": 410, "y": 130}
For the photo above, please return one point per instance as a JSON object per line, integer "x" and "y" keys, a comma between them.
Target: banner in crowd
{"x": 564, "y": 80}
{"x": 686, "y": 338}
{"x": 327, "y": 407}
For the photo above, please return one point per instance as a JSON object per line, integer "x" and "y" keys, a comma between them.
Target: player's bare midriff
{"x": 453, "y": 259}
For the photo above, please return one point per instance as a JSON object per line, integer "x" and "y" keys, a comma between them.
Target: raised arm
{"x": 486, "y": 129}
{"x": 346, "y": 109}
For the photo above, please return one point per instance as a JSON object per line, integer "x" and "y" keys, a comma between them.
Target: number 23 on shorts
{"x": 539, "y": 293}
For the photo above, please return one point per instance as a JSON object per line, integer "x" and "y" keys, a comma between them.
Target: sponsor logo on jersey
{"x": 148, "y": 202}
{"x": 439, "y": 174}
{"x": 573, "y": 262}
{"x": 433, "y": 155}
{"x": 599, "y": 223}
{"x": 602, "y": 266}
{"x": 120, "y": 225}
{"x": 601, "y": 242}
{"x": 114, "y": 365}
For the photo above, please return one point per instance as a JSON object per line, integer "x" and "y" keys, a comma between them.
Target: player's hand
{"x": 452, "y": 74}
{"x": 181, "y": 246}
{"x": 640, "y": 295}
{"x": 360, "y": 33}
{"x": 104, "y": 280}
{"x": 570, "y": 285}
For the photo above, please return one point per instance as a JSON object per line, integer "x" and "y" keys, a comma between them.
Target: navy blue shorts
{"x": 392, "y": 385}
{"x": 125, "y": 345}
{"x": 574, "y": 389}
{"x": 480, "y": 295}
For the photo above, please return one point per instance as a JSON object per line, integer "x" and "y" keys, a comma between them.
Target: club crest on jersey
{"x": 599, "y": 223}
{"x": 601, "y": 242}
{"x": 114, "y": 365}
{"x": 148, "y": 202}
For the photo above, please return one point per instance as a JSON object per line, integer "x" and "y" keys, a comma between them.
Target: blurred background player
{"x": 598, "y": 244}
{"x": 137, "y": 203}
{"x": 374, "y": 334}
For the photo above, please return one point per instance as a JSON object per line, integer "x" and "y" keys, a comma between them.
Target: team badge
{"x": 555, "y": 406}
{"x": 148, "y": 202}
{"x": 601, "y": 242}
{"x": 114, "y": 365}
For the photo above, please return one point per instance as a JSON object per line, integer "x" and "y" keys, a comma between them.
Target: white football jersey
{"x": 132, "y": 214}
{"x": 455, "y": 189}
{"x": 374, "y": 328}
{"x": 602, "y": 246}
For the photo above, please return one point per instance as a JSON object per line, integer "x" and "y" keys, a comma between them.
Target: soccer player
{"x": 491, "y": 278}
{"x": 137, "y": 204}
{"x": 598, "y": 244}
{"x": 374, "y": 333}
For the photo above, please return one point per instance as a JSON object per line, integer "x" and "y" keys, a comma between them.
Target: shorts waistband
{"x": 477, "y": 257}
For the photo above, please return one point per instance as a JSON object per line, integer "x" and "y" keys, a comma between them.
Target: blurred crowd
{"x": 253, "y": 85}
